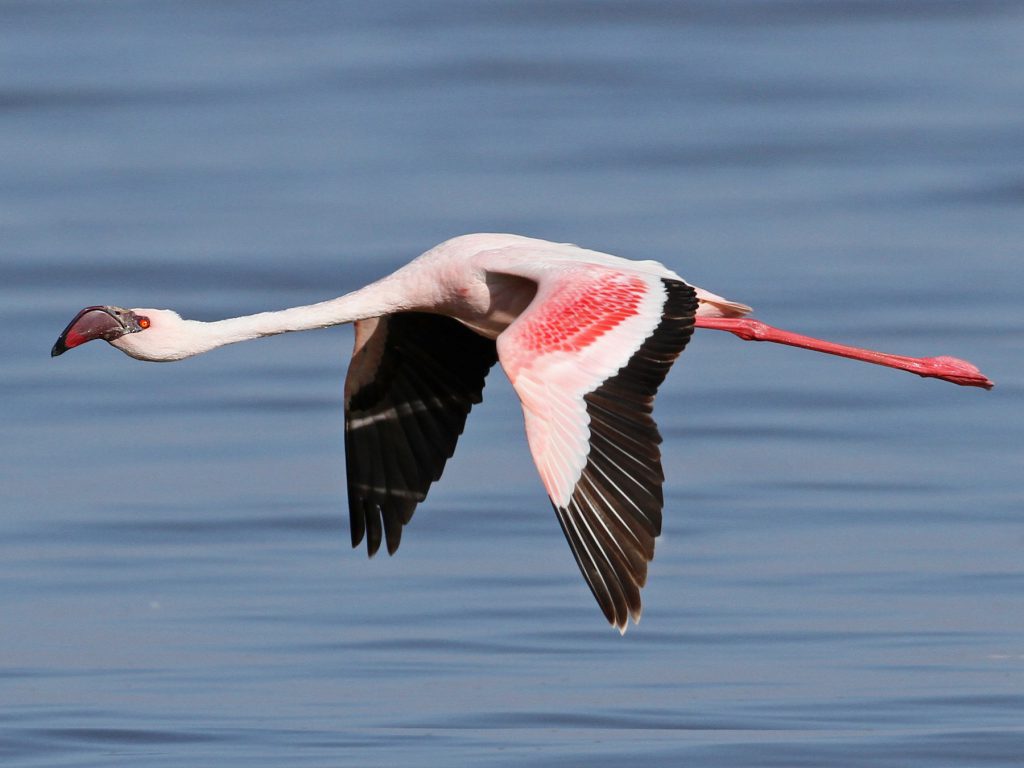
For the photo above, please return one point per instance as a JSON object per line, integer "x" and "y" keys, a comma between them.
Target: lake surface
{"x": 841, "y": 577}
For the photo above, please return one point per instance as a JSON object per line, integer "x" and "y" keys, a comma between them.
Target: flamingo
{"x": 586, "y": 338}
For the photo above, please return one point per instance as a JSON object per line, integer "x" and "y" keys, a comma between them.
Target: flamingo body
{"x": 586, "y": 339}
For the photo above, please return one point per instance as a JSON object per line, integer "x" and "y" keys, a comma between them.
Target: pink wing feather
{"x": 586, "y": 359}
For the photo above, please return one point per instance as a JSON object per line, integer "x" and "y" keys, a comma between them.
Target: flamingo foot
{"x": 954, "y": 370}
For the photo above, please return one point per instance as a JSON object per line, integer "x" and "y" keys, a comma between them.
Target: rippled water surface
{"x": 841, "y": 577}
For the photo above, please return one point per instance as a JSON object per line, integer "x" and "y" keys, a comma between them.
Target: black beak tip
{"x": 58, "y": 348}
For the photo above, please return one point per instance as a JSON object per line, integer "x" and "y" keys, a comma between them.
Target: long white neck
{"x": 372, "y": 301}
{"x": 179, "y": 338}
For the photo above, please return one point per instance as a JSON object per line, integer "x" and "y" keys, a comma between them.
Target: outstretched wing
{"x": 586, "y": 359}
{"x": 413, "y": 379}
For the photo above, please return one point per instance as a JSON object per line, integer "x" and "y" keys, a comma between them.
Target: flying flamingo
{"x": 586, "y": 338}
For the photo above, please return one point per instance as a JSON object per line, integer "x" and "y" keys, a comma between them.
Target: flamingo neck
{"x": 358, "y": 305}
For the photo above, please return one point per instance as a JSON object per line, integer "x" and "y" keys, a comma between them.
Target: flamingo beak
{"x": 106, "y": 323}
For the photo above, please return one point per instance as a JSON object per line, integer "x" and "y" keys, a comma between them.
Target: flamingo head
{"x": 145, "y": 334}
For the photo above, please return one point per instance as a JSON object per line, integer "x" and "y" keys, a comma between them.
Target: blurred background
{"x": 840, "y": 577}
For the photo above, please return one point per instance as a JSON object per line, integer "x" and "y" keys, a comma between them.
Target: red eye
{"x": 143, "y": 322}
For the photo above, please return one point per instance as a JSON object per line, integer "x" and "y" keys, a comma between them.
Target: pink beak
{"x": 107, "y": 323}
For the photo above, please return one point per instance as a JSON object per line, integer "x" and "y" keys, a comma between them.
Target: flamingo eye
{"x": 143, "y": 322}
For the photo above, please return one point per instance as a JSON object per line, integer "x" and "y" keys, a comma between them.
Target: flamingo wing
{"x": 586, "y": 359}
{"x": 413, "y": 379}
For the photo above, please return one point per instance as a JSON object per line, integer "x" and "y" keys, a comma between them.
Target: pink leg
{"x": 945, "y": 368}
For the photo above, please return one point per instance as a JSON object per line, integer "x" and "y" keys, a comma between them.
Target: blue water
{"x": 841, "y": 577}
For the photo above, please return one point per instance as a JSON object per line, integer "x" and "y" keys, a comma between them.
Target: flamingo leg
{"x": 946, "y": 368}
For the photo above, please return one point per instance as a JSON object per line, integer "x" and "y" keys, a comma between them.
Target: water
{"x": 840, "y": 578}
